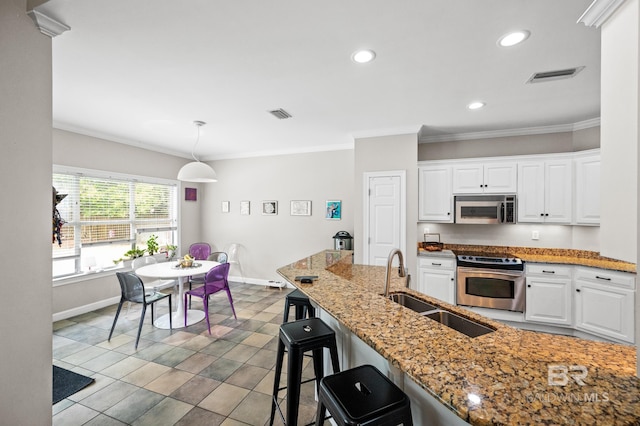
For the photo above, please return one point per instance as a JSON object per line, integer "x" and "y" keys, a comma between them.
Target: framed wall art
{"x": 300, "y": 208}
{"x": 245, "y": 208}
{"x": 191, "y": 194}
{"x": 333, "y": 209}
{"x": 270, "y": 208}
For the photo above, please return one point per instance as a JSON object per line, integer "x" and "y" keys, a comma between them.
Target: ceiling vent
{"x": 540, "y": 77}
{"x": 280, "y": 114}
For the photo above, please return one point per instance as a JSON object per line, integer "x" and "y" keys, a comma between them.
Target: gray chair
{"x": 132, "y": 290}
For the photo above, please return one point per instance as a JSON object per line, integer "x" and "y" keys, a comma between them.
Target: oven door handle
{"x": 484, "y": 272}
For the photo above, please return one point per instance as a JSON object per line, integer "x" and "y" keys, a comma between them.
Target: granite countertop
{"x": 498, "y": 378}
{"x": 543, "y": 255}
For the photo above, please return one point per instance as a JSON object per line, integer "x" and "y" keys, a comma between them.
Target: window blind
{"x": 106, "y": 215}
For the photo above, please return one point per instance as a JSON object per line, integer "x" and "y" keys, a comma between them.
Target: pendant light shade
{"x": 197, "y": 171}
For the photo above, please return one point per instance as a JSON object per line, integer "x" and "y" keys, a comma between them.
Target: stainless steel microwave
{"x": 485, "y": 209}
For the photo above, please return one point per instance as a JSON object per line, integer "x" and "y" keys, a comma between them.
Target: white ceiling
{"x": 140, "y": 72}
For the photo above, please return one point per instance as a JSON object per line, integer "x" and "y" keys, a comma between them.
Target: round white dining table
{"x": 171, "y": 270}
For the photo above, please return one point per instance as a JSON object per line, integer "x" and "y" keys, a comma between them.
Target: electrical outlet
{"x": 426, "y": 230}
{"x": 535, "y": 235}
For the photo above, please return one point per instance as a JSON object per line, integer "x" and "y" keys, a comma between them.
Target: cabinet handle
{"x": 485, "y": 185}
{"x": 480, "y": 185}
{"x": 546, "y": 214}
{"x": 436, "y": 264}
{"x": 578, "y": 290}
{"x": 548, "y": 272}
{"x": 448, "y": 213}
{"x": 603, "y": 278}
{"x": 529, "y": 285}
{"x": 541, "y": 214}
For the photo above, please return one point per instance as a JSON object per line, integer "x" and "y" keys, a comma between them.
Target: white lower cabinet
{"x": 437, "y": 278}
{"x": 604, "y": 303}
{"x": 549, "y": 295}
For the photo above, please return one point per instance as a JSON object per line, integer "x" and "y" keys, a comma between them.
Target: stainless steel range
{"x": 496, "y": 282}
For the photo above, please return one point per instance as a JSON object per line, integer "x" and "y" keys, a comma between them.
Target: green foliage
{"x": 134, "y": 252}
{"x": 152, "y": 244}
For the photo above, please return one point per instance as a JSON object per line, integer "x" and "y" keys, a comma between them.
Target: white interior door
{"x": 385, "y": 222}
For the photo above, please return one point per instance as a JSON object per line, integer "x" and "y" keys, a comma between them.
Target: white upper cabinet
{"x": 485, "y": 178}
{"x": 587, "y": 190}
{"x": 435, "y": 198}
{"x": 544, "y": 191}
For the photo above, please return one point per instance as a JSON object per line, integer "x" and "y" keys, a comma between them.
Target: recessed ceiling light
{"x": 476, "y": 105}
{"x": 513, "y": 38}
{"x": 364, "y": 56}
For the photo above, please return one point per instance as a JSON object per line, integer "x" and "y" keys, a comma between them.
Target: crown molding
{"x": 47, "y": 26}
{"x": 572, "y": 127}
{"x": 599, "y": 11}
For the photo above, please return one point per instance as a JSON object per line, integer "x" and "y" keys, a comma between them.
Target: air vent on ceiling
{"x": 280, "y": 114}
{"x": 540, "y": 77}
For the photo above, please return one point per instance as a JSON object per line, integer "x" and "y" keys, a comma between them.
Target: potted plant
{"x": 152, "y": 245}
{"x": 134, "y": 252}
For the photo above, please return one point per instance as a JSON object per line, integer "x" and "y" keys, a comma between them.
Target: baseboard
{"x": 259, "y": 281}
{"x": 113, "y": 300}
{"x": 85, "y": 308}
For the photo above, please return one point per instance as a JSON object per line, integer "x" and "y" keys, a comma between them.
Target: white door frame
{"x": 402, "y": 174}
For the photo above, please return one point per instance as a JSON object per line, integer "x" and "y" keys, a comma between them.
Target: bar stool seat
{"x": 362, "y": 396}
{"x": 304, "y": 308}
{"x": 298, "y": 337}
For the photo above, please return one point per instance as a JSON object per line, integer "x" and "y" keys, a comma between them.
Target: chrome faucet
{"x": 401, "y": 271}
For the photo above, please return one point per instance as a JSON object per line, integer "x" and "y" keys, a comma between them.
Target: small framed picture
{"x": 191, "y": 194}
{"x": 334, "y": 210}
{"x": 225, "y": 207}
{"x": 270, "y": 208}
{"x": 300, "y": 208}
{"x": 245, "y": 208}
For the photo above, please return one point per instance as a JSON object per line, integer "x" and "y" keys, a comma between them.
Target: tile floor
{"x": 184, "y": 377}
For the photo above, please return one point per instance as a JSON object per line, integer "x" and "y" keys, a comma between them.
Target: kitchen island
{"x": 502, "y": 377}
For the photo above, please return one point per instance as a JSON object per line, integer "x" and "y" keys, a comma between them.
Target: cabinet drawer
{"x": 605, "y": 277}
{"x": 548, "y": 270}
{"x": 436, "y": 262}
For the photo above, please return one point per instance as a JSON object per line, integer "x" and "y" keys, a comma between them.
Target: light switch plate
{"x": 535, "y": 235}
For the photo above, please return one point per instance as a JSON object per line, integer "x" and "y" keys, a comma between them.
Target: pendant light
{"x": 197, "y": 171}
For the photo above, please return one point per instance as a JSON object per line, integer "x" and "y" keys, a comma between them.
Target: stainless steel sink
{"x": 412, "y": 303}
{"x": 458, "y": 323}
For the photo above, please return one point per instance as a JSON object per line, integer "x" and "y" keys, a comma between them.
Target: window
{"x": 107, "y": 215}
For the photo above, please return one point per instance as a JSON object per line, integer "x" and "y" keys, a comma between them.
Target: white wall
{"x": 578, "y": 140}
{"x": 25, "y": 173}
{"x": 399, "y": 152}
{"x": 269, "y": 242}
{"x": 619, "y": 134}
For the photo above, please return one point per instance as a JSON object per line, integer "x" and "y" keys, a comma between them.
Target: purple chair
{"x": 214, "y": 281}
{"x": 200, "y": 251}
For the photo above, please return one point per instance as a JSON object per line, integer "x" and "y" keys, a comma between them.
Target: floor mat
{"x": 66, "y": 383}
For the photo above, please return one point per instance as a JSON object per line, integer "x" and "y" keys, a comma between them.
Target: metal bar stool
{"x": 298, "y": 337}
{"x": 363, "y": 396}
{"x": 303, "y": 306}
